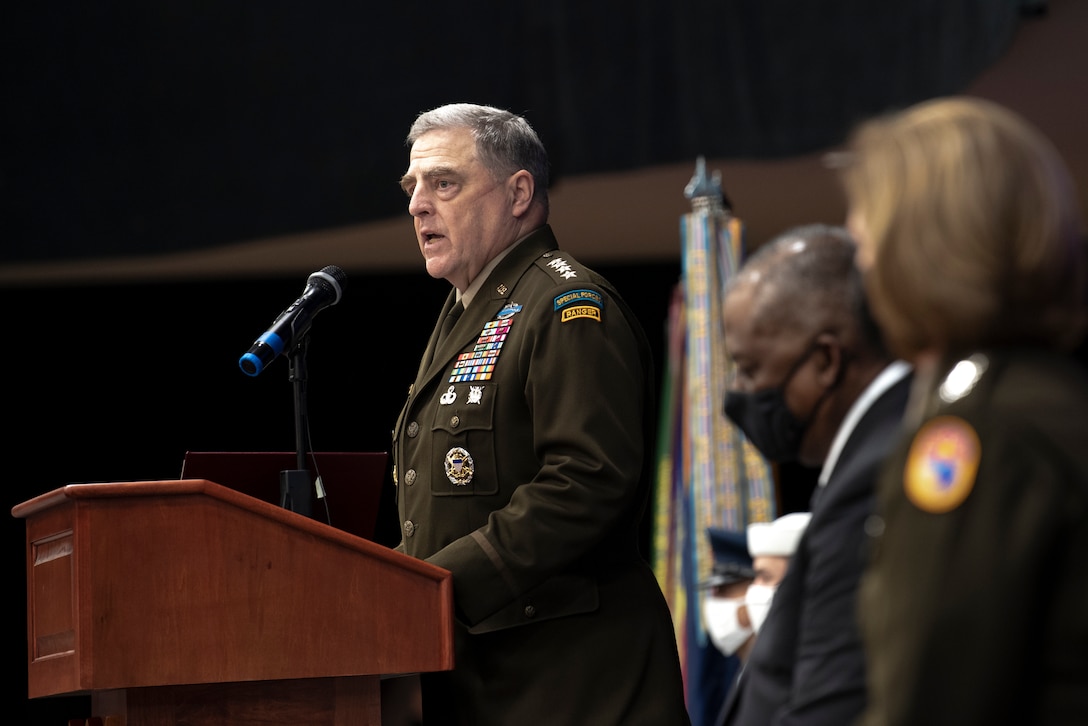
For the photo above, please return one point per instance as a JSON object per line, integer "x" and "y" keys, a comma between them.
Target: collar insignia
{"x": 962, "y": 378}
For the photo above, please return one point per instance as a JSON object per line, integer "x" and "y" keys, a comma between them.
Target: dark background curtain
{"x": 149, "y": 127}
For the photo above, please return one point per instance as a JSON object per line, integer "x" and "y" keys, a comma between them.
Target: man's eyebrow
{"x": 434, "y": 172}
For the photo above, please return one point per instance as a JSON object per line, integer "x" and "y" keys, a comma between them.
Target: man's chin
{"x": 436, "y": 268}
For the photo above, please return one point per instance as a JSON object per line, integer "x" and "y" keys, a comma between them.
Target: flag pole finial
{"x": 705, "y": 192}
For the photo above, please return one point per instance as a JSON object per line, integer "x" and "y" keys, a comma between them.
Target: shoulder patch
{"x": 574, "y": 304}
{"x": 942, "y": 464}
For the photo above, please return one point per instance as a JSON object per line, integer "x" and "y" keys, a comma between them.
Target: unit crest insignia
{"x": 459, "y": 466}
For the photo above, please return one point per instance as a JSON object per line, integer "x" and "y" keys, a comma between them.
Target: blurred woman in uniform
{"x": 974, "y": 607}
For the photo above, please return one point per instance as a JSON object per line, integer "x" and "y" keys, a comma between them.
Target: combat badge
{"x": 459, "y": 466}
{"x": 942, "y": 464}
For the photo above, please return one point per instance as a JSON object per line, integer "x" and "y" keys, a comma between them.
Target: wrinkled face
{"x": 463, "y": 216}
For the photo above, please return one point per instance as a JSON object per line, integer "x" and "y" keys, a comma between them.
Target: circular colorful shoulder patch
{"x": 942, "y": 464}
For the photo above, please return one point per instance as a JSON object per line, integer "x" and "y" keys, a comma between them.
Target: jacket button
{"x": 530, "y": 611}
{"x": 874, "y": 526}
{"x": 455, "y": 421}
{"x": 413, "y": 429}
{"x": 409, "y": 528}
{"x": 410, "y": 477}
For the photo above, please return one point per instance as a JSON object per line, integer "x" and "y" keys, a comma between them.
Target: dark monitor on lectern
{"x": 352, "y": 481}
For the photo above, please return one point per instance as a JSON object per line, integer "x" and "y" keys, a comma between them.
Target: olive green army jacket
{"x": 522, "y": 460}
{"x": 974, "y": 608}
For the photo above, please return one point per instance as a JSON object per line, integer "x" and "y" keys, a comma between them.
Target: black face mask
{"x": 766, "y": 420}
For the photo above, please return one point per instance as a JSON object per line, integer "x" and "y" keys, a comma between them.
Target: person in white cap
{"x": 771, "y": 545}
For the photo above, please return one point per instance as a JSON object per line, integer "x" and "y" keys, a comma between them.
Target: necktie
{"x": 449, "y": 321}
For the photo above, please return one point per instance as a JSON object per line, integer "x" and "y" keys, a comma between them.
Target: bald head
{"x": 804, "y": 282}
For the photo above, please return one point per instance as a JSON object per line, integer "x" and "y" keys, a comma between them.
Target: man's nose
{"x": 419, "y": 203}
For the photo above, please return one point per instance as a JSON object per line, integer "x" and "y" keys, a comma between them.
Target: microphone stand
{"x": 295, "y": 484}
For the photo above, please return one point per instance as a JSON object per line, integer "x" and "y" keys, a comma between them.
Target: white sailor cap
{"x": 777, "y": 538}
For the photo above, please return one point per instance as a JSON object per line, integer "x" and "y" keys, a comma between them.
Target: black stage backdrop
{"x": 139, "y": 128}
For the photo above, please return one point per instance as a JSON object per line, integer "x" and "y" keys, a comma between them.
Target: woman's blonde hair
{"x": 974, "y": 227}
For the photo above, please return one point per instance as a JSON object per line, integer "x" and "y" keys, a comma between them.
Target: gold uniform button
{"x": 530, "y": 611}
{"x": 410, "y": 477}
{"x": 413, "y": 429}
{"x": 409, "y": 528}
{"x": 455, "y": 421}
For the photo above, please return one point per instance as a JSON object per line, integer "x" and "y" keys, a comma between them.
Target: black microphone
{"x": 323, "y": 289}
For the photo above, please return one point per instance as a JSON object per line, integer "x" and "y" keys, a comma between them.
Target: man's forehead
{"x": 743, "y": 314}
{"x": 760, "y": 306}
{"x": 755, "y": 333}
{"x": 443, "y": 147}
{"x": 763, "y": 561}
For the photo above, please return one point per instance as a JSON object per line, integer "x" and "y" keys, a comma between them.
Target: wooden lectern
{"x": 185, "y": 602}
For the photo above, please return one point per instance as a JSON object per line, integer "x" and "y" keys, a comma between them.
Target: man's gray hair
{"x": 505, "y": 142}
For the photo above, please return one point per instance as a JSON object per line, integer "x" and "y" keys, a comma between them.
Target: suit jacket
{"x": 732, "y": 699}
{"x": 807, "y": 664}
{"x": 523, "y": 460}
{"x": 975, "y": 608}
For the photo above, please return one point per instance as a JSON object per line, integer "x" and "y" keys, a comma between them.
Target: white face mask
{"x": 758, "y": 601}
{"x": 722, "y": 624}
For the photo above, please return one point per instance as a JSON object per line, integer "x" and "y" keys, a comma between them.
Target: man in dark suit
{"x": 524, "y": 452}
{"x": 813, "y": 384}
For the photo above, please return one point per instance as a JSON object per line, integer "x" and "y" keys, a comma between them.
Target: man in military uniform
{"x": 523, "y": 454}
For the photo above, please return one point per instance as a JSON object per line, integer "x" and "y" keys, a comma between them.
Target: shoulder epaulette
{"x": 562, "y": 268}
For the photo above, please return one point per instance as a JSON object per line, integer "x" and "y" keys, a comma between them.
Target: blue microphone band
{"x": 323, "y": 288}
{"x": 263, "y": 352}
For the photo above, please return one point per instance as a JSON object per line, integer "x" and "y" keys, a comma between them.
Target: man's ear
{"x": 521, "y": 186}
{"x": 829, "y": 358}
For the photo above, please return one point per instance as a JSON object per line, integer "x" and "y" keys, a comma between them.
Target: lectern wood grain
{"x": 158, "y": 585}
